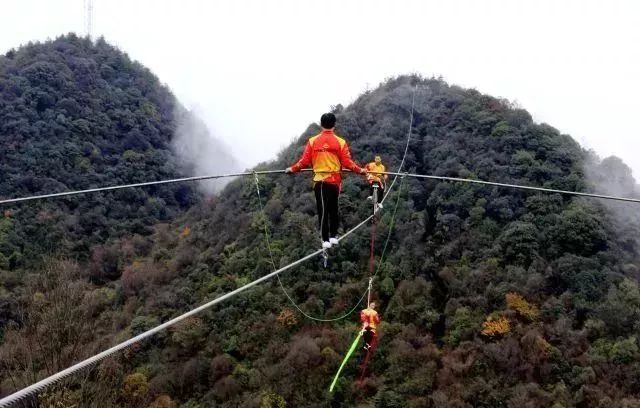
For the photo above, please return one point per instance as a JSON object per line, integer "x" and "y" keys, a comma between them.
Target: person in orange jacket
{"x": 370, "y": 320}
{"x": 327, "y": 153}
{"x": 375, "y": 178}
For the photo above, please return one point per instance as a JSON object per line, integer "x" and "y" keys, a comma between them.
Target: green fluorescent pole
{"x": 346, "y": 358}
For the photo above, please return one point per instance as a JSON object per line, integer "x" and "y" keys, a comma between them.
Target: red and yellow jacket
{"x": 374, "y": 168}
{"x": 369, "y": 318}
{"x": 328, "y": 154}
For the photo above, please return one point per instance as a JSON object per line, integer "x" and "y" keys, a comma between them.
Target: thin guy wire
{"x": 391, "y": 225}
{"x": 404, "y": 156}
{"x": 406, "y": 147}
{"x": 515, "y": 186}
{"x": 273, "y": 263}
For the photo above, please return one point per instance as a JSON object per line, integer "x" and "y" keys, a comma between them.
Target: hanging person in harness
{"x": 370, "y": 320}
{"x": 376, "y": 179}
{"x": 327, "y": 153}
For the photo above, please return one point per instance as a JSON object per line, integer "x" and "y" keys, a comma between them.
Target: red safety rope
{"x": 365, "y": 363}
{"x": 374, "y": 341}
{"x": 372, "y": 258}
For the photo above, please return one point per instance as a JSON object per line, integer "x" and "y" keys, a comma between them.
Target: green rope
{"x": 273, "y": 263}
{"x": 346, "y": 358}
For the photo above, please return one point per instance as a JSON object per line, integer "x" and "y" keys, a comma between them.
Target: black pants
{"x": 327, "y": 202}
{"x": 380, "y": 191}
{"x": 368, "y": 337}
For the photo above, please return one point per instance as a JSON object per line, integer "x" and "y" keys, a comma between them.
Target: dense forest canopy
{"x": 489, "y": 297}
{"x": 76, "y": 115}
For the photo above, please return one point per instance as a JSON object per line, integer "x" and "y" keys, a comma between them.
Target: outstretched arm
{"x": 304, "y": 162}
{"x": 347, "y": 162}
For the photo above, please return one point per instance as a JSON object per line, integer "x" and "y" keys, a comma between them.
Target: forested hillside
{"x": 489, "y": 297}
{"x": 74, "y": 115}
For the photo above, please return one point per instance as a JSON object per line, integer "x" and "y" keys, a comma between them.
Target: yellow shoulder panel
{"x": 341, "y": 141}
{"x": 312, "y": 138}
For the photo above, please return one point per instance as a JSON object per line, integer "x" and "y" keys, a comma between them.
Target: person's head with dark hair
{"x": 328, "y": 121}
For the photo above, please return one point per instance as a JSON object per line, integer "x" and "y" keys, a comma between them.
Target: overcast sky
{"x": 258, "y": 72}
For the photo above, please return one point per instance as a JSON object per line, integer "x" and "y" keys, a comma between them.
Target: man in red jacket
{"x": 370, "y": 320}
{"x": 327, "y": 153}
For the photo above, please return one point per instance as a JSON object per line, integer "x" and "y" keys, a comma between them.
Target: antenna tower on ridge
{"x": 88, "y": 16}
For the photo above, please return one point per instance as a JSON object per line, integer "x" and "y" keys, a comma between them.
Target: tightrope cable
{"x": 398, "y": 173}
{"x": 144, "y": 184}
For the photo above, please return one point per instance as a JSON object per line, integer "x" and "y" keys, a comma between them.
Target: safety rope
{"x": 406, "y": 147}
{"x": 393, "y": 182}
{"x": 372, "y": 347}
{"x": 371, "y": 259}
{"x": 273, "y": 263}
{"x": 372, "y": 246}
{"x": 391, "y": 225}
{"x": 363, "y": 367}
{"x": 372, "y": 254}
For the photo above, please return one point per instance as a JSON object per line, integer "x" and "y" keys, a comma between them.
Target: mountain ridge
{"x": 489, "y": 297}
{"x": 75, "y": 114}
